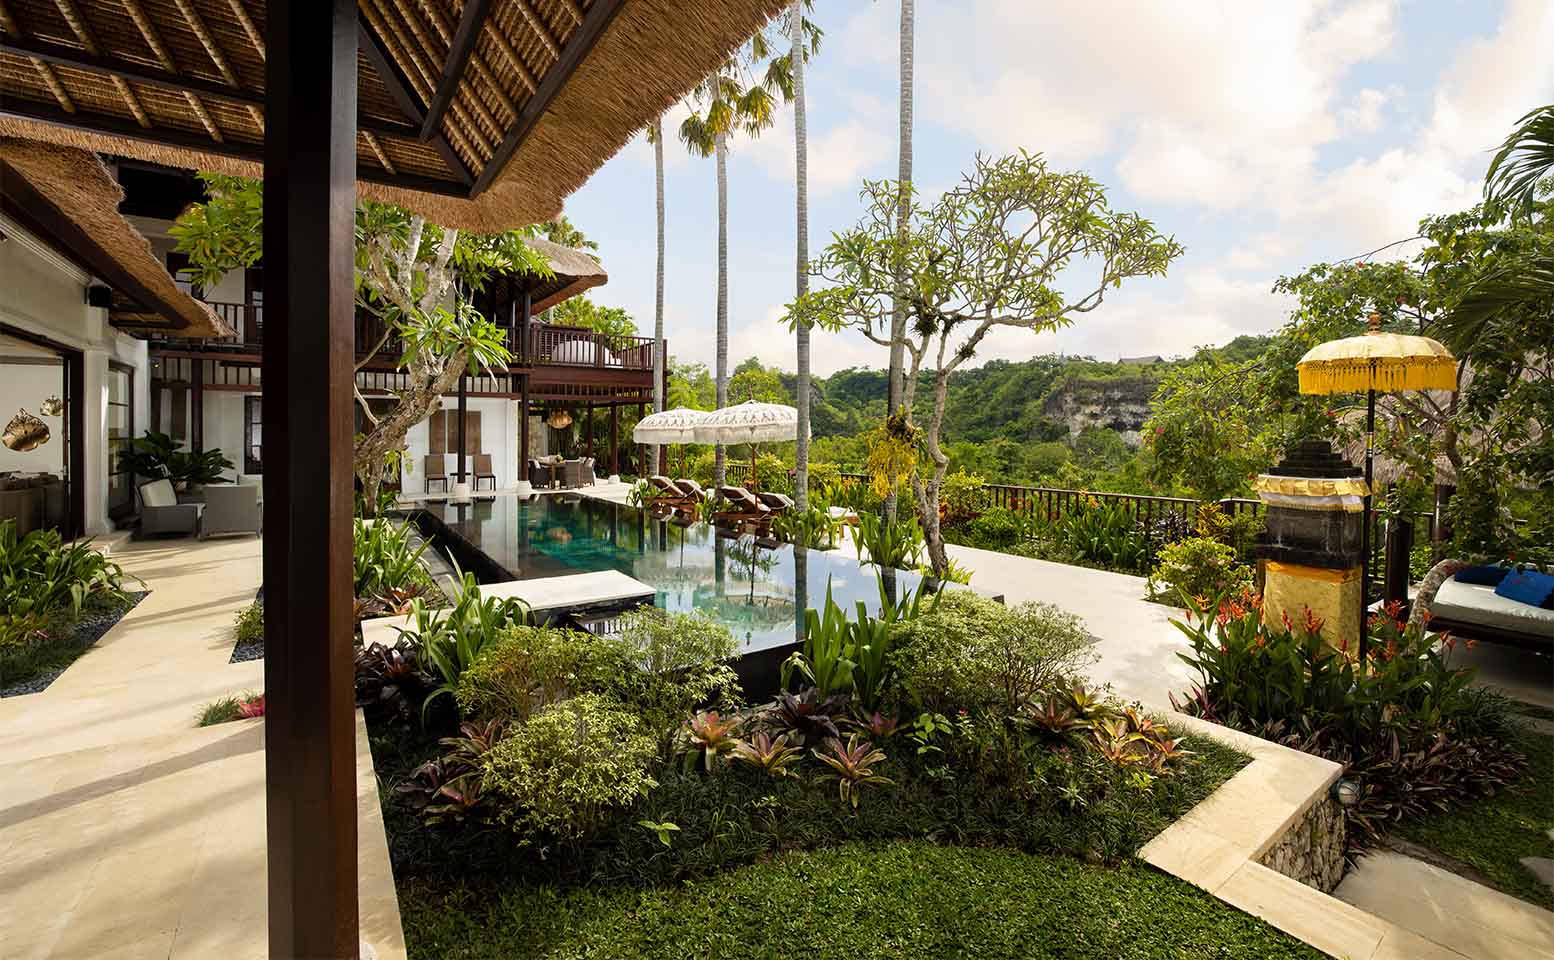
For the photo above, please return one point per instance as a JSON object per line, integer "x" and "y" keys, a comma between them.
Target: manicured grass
{"x": 909, "y": 899}
{"x": 1493, "y": 835}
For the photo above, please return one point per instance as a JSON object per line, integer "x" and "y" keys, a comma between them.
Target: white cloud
{"x": 840, "y": 154}
{"x": 1363, "y": 114}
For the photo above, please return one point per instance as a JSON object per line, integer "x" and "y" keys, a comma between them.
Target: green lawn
{"x": 1493, "y": 835}
{"x": 900, "y": 900}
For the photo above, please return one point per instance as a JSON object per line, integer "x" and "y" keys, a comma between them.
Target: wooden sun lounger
{"x": 776, "y": 502}
{"x": 744, "y": 509}
{"x": 670, "y": 493}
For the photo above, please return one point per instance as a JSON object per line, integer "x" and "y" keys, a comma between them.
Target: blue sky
{"x": 1264, "y": 135}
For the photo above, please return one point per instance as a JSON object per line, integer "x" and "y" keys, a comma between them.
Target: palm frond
{"x": 1524, "y": 160}
{"x": 1526, "y": 284}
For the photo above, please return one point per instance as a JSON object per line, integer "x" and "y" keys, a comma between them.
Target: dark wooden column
{"x": 523, "y": 392}
{"x": 615, "y": 438}
{"x": 463, "y": 416}
{"x": 197, "y": 406}
{"x": 309, "y": 220}
{"x": 588, "y": 427}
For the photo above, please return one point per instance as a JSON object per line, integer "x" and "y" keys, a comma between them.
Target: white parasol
{"x": 750, "y": 422}
{"x": 669, "y": 426}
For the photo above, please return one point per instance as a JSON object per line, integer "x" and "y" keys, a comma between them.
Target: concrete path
{"x": 125, "y": 830}
{"x": 1448, "y": 910}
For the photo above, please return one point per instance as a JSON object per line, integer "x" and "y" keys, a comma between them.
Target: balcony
{"x": 547, "y": 345}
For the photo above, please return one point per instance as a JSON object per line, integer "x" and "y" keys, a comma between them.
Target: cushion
{"x": 1476, "y": 604}
{"x": 1488, "y": 574}
{"x": 1529, "y": 587}
{"x": 158, "y": 493}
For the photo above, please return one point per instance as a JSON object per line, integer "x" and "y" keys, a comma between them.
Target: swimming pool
{"x": 759, "y": 591}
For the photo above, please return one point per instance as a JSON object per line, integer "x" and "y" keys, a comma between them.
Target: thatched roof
{"x": 574, "y": 271}
{"x": 68, "y": 198}
{"x": 482, "y": 115}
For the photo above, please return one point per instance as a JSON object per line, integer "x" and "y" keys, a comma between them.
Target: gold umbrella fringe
{"x": 1386, "y": 375}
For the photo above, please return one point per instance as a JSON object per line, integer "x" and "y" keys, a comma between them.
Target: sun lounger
{"x": 692, "y": 488}
{"x": 776, "y": 502}
{"x": 743, "y": 509}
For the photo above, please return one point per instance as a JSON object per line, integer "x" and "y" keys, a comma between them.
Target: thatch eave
{"x": 70, "y": 199}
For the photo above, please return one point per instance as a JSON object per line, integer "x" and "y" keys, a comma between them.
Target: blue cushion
{"x": 1487, "y": 575}
{"x": 1530, "y": 587}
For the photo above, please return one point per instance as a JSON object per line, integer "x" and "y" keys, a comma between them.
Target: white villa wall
{"x": 498, "y": 437}
{"x": 45, "y": 294}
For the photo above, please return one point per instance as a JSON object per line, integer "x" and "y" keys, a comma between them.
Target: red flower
{"x": 1285, "y": 616}
{"x": 1313, "y": 622}
{"x": 1394, "y": 608}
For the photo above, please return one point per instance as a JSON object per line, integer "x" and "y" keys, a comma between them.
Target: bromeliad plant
{"x": 852, "y": 767}
{"x": 773, "y": 755}
{"x": 710, "y": 739}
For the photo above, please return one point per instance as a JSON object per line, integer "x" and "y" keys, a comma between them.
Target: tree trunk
{"x": 801, "y": 166}
{"x": 926, "y": 492}
{"x": 898, "y": 313}
{"x": 721, "y": 151}
{"x": 1432, "y": 581}
{"x": 659, "y": 360}
{"x": 429, "y": 380}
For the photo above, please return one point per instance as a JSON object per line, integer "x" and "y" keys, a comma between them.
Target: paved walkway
{"x": 126, "y": 831}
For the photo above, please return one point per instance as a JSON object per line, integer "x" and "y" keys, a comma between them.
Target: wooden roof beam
{"x": 216, "y": 54}
{"x": 12, "y": 26}
{"x": 577, "y": 47}
{"x": 434, "y": 13}
{"x": 398, "y": 86}
{"x": 463, "y": 44}
{"x": 67, "y": 9}
{"x": 150, "y": 76}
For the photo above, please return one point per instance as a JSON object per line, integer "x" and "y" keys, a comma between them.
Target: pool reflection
{"x": 759, "y": 589}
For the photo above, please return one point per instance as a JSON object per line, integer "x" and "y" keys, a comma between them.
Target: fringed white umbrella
{"x": 677, "y": 425}
{"x": 751, "y": 422}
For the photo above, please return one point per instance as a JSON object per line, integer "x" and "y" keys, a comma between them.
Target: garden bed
{"x": 31, "y": 667}
{"x": 1487, "y": 840}
{"x": 911, "y": 899}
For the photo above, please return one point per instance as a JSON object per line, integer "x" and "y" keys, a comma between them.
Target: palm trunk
{"x": 659, "y": 360}
{"x": 898, "y": 313}
{"x": 801, "y": 163}
{"x": 721, "y": 151}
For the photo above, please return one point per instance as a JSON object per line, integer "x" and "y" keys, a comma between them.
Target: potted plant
{"x": 158, "y": 456}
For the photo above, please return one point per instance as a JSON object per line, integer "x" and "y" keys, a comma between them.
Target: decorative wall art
{"x": 25, "y": 432}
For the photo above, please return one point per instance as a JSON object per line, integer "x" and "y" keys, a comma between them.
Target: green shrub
{"x": 1105, "y": 535}
{"x": 566, "y": 770}
{"x": 963, "y": 496}
{"x": 450, "y": 640}
{"x": 41, "y": 574}
{"x": 528, "y": 668}
{"x": 1403, "y": 723}
{"x": 249, "y": 628}
{"x": 682, "y": 660}
{"x": 385, "y": 558}
{"x": 970, "y": 651}
{"x": 995, "y": 529}
{"x": 894, "y": 545}
{"x": 1197, "y": 567}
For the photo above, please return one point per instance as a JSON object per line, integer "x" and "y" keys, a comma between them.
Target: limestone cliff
{"x": 1117, "y": 403}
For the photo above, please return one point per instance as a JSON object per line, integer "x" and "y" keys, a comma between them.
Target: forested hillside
{"x": 1073, "y": 421}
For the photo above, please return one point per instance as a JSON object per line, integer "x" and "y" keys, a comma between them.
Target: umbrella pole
{"x": 753, "y": 483}
{"x": 1365, "y": 529}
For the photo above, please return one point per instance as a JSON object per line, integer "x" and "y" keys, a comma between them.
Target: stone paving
{"x": 125, "y": 830}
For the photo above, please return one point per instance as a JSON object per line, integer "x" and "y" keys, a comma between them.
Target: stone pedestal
{"x": 1312, "y": 545}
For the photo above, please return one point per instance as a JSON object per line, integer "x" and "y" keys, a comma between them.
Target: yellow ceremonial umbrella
{"x": 1375, "y": 360}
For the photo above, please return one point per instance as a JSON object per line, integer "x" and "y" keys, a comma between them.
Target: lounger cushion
{"x": 1474, "y": 603}
{"x": 158, "y": 493}
{"x": 1487, "y": 575}
{"x": 1528, "y": 586}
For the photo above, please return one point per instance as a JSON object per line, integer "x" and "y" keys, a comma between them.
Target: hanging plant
{"x": 25, "y": 432}
{"x": 894, "y": 448}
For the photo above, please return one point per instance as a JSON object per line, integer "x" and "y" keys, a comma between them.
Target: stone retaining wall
{"x": 1312, "y": 850}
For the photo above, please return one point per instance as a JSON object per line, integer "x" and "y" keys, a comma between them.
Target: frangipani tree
{"x": 998, "y": 250}
{"x": 413, "y": 275}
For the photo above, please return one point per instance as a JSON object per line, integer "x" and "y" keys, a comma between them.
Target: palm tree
{"x": 655, "y": 135}
{"x": 732, "y": 100}
{"x": 797, "y": 56}
{"x": 895, "y": 385}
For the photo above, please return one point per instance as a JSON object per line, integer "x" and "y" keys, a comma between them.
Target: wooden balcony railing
{"x": 547, "y": 344}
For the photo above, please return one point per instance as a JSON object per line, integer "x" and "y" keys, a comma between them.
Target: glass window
{"x": 253, "y": 433}
{"x": 121, "y": 433}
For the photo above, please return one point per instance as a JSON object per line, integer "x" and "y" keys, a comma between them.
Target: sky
{"x": 1265, "y": 136}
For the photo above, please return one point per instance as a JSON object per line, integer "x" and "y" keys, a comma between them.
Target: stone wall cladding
{"x": 1312, "y": 850}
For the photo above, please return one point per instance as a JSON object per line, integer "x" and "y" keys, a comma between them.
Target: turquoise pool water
{"x": 758, "y": 590}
